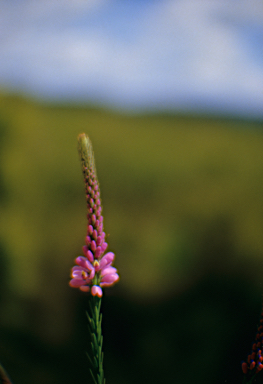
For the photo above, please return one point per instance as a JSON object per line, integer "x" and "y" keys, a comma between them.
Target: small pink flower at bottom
{"x": 96, "y": 291}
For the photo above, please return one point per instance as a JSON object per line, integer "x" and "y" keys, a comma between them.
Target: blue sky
{"x": 197, "y": 55}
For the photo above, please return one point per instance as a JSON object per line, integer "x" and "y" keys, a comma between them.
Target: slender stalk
{"x": 250, "y": 380}
{"x": 96, "y": 355}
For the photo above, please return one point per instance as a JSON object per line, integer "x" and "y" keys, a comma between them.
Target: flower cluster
{"x": 254, "y": 362}
{"x": 93, "y": 270}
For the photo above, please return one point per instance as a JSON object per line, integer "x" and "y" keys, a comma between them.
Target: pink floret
{"x": 88, "y": 253}
{"x": 84, "y": 263}
{"x": 84, "y": 272}
{"x": 96, "y": 291}
{"x": 85, "y": 288}
{"x": 108, "y": 271}
{"x": 106, "y": 260}
{"x": 76, "y": 283}
{"x": 110, "y": 279}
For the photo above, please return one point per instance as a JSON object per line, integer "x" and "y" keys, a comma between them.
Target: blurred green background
{"x": 183, "y": 207}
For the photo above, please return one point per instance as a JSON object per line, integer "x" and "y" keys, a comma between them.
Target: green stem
{"x": 249, "y": 380}
{"x": 96, "y": 355}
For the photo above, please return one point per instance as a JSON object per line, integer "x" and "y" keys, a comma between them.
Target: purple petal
{"x": 106, "y": 260}
{"x": 99, "y": 240}
{"x": 110, "y": 278}
{"x": 79, "y": 273}
{"x": 92, "y": 274}
{"x": 88, "y": 240}
{"x": 98, "y": 252}
{"x": 93, "y": 245}
{"x": 85, "y": 250}
{"x": 90, "y": 229}
{"x": 96, "y": 291}
{"x": 84, "y": 288}
{"x": 90, "y": 256}
{"x": 76, "y": 283}
{"x": 88, "y": 253}
{"x": 83, "y": 262}
{"x": 106, "y": 284}
{"x": 108, "y": 271}
{"x": 82, "y": 273}
{"x": 104, "y": 246}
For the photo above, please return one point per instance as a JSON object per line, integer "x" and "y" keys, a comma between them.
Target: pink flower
{"x": 96, "y": 291}
{"x": 99, "y": 274}
{"x": 93, "y": 270}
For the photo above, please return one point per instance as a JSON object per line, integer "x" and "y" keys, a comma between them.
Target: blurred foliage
{"x": 182, "y": 199}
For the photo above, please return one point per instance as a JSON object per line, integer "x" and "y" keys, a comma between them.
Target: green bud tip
{"x": 86, "y": 152}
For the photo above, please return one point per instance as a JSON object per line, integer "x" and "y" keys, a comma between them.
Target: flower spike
{"x": 93, "y": 270}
